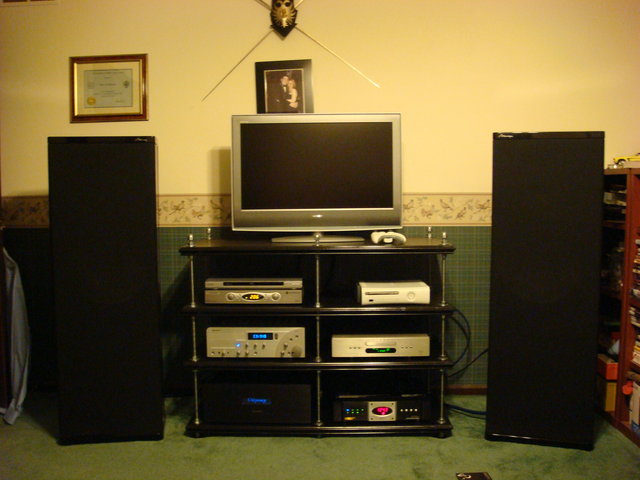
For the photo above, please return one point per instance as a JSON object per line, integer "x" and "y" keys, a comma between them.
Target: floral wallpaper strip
{"x": 215, "y": 210}
{"x": 446, "y": 209}
{"x": 187, "y": 210}
{"x": 25, "y": 211}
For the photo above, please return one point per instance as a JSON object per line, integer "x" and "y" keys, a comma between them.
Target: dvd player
{"x": 235, "y": 283}
{"x": 253, "y": 290}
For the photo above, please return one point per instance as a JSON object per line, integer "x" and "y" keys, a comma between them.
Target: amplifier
{"x": 255, "y": 342}
{"x": 392, "y": 345}
{"x": 253, "y": 290}
{"x": 241, "y": 403}
{"x": 381, "y": 408}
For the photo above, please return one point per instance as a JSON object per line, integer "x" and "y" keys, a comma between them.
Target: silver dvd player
{"x": 253, "y": 296}
{"x": 253, "y": 283}
{"x": 253, "y": 290}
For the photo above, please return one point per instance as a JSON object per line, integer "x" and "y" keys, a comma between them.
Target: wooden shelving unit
{"x": 621, "y": 243}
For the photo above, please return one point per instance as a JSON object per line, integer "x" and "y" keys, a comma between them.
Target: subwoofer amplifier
{"x": 239, "y": 403}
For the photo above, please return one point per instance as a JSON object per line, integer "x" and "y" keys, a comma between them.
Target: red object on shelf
{"x": 627, "y": 388}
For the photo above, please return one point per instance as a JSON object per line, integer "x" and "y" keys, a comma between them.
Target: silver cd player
{"x": 391, "y": 345}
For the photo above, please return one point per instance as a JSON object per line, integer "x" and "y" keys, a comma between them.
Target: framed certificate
{"x": 109, "y": 88}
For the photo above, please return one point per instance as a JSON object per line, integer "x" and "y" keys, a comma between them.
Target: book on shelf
{"x": 634, "y": 408}
{"x": 635, "y": 355}
{"x": 634, "y": 316}
{"x": 615, "y": 198}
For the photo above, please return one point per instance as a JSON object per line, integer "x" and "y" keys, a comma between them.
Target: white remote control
{"x": 388, "y": 237}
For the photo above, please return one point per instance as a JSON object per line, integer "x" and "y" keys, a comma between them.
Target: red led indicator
{"x": 382, "y": 411}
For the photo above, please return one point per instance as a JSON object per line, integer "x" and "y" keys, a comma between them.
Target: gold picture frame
{"x": 111, "y": 88}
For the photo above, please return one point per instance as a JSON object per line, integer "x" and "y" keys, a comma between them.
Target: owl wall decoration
{"x": 283, "y": 16}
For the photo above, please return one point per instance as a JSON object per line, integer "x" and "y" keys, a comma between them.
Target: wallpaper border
{"x": 464, "y": 209}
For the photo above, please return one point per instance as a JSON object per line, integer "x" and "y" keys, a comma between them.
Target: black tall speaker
{"x": 102, "y": 200}
{"x": 545, "y": 268}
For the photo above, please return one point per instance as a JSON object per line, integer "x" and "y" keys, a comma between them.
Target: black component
{"x": 240, "y": 403}
{"x": 355, "y": 408}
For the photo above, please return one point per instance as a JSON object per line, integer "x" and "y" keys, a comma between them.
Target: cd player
{"x": 392, "y": 345}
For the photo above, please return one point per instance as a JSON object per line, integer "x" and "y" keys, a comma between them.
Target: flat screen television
{"x": 316, "y": 173}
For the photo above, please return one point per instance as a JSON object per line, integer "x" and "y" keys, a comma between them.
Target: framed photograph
{"x": 109, "y": 88}
{"x": 284, "y": 87}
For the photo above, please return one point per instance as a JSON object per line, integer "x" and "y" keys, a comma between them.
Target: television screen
{"x": 315, "y": 173}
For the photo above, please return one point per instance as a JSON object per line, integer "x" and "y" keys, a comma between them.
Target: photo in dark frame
{"x": 284, "y": 87}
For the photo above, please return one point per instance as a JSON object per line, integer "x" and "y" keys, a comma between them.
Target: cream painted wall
{"x": 457, "y": 70}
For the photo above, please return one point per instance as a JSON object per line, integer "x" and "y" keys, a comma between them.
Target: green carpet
{"x": 28, "y": 450}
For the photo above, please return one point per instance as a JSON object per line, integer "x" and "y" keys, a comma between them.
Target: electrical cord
{"x": 467, "y": 342}
{"x": 463, "y": 410}
{"x": 466, "y": 331}
{"x": 466, "y": 411}
{"x": 475, "y": 359}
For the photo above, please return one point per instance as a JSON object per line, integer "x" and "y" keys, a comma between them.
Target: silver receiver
{"x": 255, "y": 342}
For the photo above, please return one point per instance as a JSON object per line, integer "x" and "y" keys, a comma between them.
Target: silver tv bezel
{"x": 315, "y": 220}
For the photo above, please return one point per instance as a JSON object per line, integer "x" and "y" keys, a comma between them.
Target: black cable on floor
{"x": 466, "y": 411}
